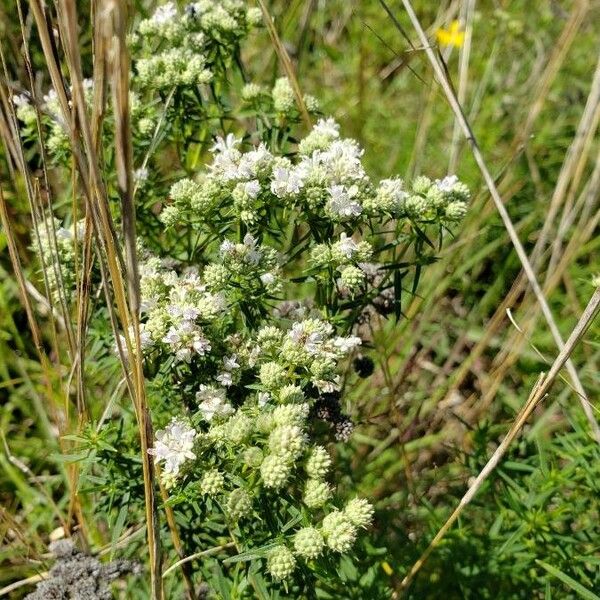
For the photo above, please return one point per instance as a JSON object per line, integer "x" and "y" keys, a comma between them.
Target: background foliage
{"x": 451, "y": 374}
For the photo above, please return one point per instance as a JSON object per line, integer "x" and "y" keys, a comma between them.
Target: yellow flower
{"x": 386, "y": 567}
{"x": 452, "y": 36}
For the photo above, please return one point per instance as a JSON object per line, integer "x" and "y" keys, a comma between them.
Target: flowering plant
{"x": 258, "y": 294}
{"x": 256, "y": 317}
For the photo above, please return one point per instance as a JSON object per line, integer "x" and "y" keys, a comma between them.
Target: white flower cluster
{"x": 249, "y": 265}
{"x": 173, "y": 447}
{"x": 56, "y": 248}
{"x": 57, "y": 141}
{"x": 326, "y": 182}
{"x": 180, "y": 48}
{"x": 178, "y": 311}
{"x": 347, "y": 257}
{"x": 309, "y": 351}
{"x": 143, "y": 120}
{"x": 285, "y": 365}
{"x": 444, "y": 200}
{"x": 281, "y": 100}
{"x": 264, "y": 446}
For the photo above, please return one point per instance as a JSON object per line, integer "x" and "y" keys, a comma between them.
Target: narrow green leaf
{"x": 569, "y": 581}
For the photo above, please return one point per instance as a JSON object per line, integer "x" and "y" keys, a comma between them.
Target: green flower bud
{"x": 145, "y": 126}
{"x": 215, "y": 276}
{"x": 421, "y": 185}
{"x": 283, "y": 96}
{"x": 275, "y": 471}
{"x": 455, "y": 211}
{"x": 280, "y": 562}
{"x": 254, "y": 17}
{"x": 239, "y": 428}
{"x": 315, "y": 195}
{"x": 308, "y": 542}
{"x": 253, "y": 457}
{"x": 207, "y": 195}
{"x": 271, "y": 375}
{"x": 291, "y": 414}
{"x": 269, "y": 338}
{"x": 318, "y": 463}
{"x": 435, "y": 197}
{"x": 183, "y": 190}
{"x": 287, "y": 440}
{"x": 359, "y": 512}
{"x": 170, "y": 215}
{"x": 291, "y": 394}
{"x": 338, "y": 532}
{"x": 320, "y": 255}
{"x": 352, "y": 277}
{"x": 265, "y": 422}
{"x": 312, "y": 104}
{"x": 322, "y": 368}
{"x": 364, "y": 251}
{"x": 316, "y": 493}
{"x": 417, "y": 207}
{"x": 212, "y": 482}
{"x": 251, "y": 91}
{"x": 239, "y": 504}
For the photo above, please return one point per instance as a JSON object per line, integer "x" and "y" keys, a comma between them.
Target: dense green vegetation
{"x": 455, "y": 354}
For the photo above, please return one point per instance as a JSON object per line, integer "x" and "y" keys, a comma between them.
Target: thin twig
{"x": 188, "y": 559}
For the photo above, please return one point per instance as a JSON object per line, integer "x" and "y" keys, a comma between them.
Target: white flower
{"x": 185, "y": 338}
{"x": 446, "y": 184}
{"x": 172, "y": 336}
{"x": 174, "y": 445}
{"x": 140, "y": 175}
{"x": 328, "y": 387}
{"x": 201, "y": 345}
{"x": 249, "y": 240}
{"x": 20, "y": 100}
{"x": 190, "y": 313}
{"x": 311, "y": 342}
{"x": 263, "y": 398}
{"x": 345, "y": 344}
{"x": 164, "y": 14}
{"x": 225, "y": 379}
{"x": 225, "y": 165}
{"x": 253, "y": 356}
{"x": 252, "y": 161}
{"x": 212, "y": 402}
{"x": 267, "y": 279}
{"x": 254, "y": 254}
{"x": 342, "y": 203}
{"x": 145, "y": 337}
{"x": 225, "y": 145}
{"x": 285, "y": 182}
{"x": 51, "y": 97}
{"x": 64, "y": 234}
{"x": 230, "y": 363}
{"x": 252, "y": 188}
{"x": 347, "y": 246}
{"x": 227, "y": 247}
{"x": 327, "y": 127}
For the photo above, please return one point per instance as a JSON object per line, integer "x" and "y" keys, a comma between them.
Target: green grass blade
{"x": 569, "y": 581}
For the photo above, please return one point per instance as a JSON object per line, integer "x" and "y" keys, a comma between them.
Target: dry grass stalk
{"x": 111, "y": 261}
{"x": 463, "y": 78}
{"x": 284, "y": 57}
